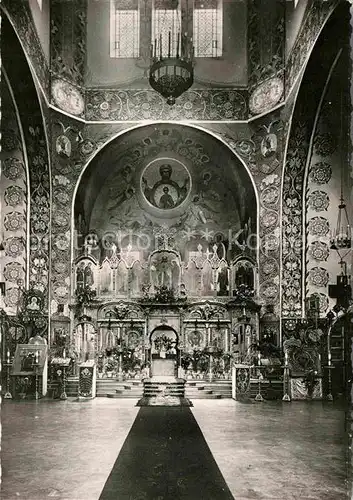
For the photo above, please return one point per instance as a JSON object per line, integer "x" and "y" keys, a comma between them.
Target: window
{"x": 124, "y": 28}
{"x": 166, "y": 19}
{"x": 208, "y": 28}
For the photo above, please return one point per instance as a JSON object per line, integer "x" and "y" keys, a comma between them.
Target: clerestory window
{"x": 124, "y": 28}
{"x": 208, "y": 28}
{"x": 166, "y": 15}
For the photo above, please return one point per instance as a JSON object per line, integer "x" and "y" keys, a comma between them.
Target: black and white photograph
{"x": 176, "y": 307}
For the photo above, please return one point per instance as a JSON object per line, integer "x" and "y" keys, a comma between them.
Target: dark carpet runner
{"x": 165, "y": 457}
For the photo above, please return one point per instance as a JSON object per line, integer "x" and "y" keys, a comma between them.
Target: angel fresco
{"x": 199, "y": 212}
{"x": 121, "y": 184}
{"x": 129, "y": 214}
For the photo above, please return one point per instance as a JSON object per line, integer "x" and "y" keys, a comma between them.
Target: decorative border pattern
{"x": 20, "y": 15}
{"x": 316, "y": 16}
{"x": 122, "y": 105}
{"x": 265, "y": 166}
{"x": 14, "y": 211}
{"x": 72, "y": 145}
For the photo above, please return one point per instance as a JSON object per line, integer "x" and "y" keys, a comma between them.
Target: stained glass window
{"x": 208, "y": 28}
{"x": 124, "y": 28}
{"x": 166, "y": 19}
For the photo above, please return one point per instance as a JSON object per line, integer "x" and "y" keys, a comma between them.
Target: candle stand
{"x": 286, "y": 396}
{"x": 259, "y": 396}
{"x": 63, "y": 395}
{"x": 36, "y": 394}
{"x": 329, "y": 367}
{"x": 8, "y": 394}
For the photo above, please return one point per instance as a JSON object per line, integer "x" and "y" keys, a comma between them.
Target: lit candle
{"x": 286, "y": 358}
{"x": 178, "y": 41}
{"x": 8, "y": 357}
{"x": 259, "y": 357}
{"x": 37, "y": 357}
{"x": 329, "y": 359}
{"x": 64, "y": 354}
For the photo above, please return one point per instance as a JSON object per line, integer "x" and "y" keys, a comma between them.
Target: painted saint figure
{"x": 166, "y": 201}
{"x": 33, "y": 304}
{"x": 88, "y": 275}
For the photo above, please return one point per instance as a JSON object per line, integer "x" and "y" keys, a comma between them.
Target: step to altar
{"x": 194, "y": 389}
{"x": 164, "y": 390}
{"x": 166, "y": 385}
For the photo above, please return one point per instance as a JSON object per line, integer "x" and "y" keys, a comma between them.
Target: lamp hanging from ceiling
{"x": 341, "y": 237}
{"x": 172, "y": 57}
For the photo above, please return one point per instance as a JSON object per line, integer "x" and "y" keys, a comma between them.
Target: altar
{"x": 163, "y": 367}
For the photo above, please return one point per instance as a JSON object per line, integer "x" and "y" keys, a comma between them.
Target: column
{"x": 208, "y": 332}
{"x": 181, "y": 343}
{"x": 120, "y": 361}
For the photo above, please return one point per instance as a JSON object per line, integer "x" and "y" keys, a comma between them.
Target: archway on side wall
{"x": 25, "y": 95}
{"x": 331, "y": 48}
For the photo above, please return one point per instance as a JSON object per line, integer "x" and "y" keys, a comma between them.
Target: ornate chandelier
{"x": 172, "y": 58}
{"x": 341, "y": 237}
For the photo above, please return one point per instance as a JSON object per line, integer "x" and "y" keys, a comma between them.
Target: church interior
{"x": 176, "y": 192}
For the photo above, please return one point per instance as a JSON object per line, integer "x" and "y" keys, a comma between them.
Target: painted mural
{"x": 165, "y": 213}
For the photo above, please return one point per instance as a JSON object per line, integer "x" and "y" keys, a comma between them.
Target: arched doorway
{"x": 164, "y": 351}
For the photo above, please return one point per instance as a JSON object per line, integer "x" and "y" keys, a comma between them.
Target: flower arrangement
{"x": 164, "y": 295}
{"x": 243, "y": 292}
{"x": 84, "y": 296}
{"x": 111, "y": 364}
{"x": 199, "y": 360}
{"x": 163, "y": 342}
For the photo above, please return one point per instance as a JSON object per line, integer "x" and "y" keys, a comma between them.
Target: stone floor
{"x": 269, "y": 450}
